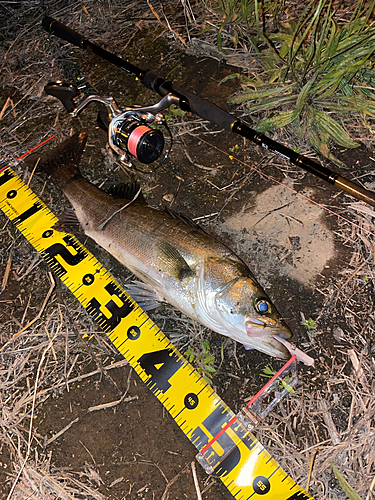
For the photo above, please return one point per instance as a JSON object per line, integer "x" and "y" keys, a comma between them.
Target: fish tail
{"x": 62, "y": 161}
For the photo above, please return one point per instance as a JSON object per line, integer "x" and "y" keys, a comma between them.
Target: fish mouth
{"x": 268, "y": 338}
{"x": 257, "y": 328}
{"x": 269, "y": 345}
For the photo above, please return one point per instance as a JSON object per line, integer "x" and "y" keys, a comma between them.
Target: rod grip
{"x": 197, "y": 105}
{"x": 56, "y": 28}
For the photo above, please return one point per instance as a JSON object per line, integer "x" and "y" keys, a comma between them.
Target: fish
{"x": 176, "y": 261}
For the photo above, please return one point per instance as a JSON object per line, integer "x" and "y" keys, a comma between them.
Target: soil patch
{"x": 285, "y": 233}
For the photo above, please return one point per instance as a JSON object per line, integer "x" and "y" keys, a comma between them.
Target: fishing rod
{"x": 205, "y": 109}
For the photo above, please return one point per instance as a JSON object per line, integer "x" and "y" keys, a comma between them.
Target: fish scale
{"x": 233, "y": 452}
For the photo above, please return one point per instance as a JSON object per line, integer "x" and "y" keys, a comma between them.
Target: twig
{"x": 35, "y": 263}
{"x": 89, "y": 452}
{"x": 168, "y": 25}
{"x": 102, "y": 226}
{"x": 219, "y": 189}
{"x": 172, "y": 481}
{"x": 350, "y": 419}
{"x": 51, "y": 341}
{"x": 58, "y": 434}
{"x": 31, "y": 422}
{"x": 196, "y": 483}
{"x": 57, "y": 485}
{"x": 114, "y": 403}
{"x": 369, "y": 494}
{"x": 33, "y": 171}
{"x": 28, "y": 495}
{"x": 39, "y": 313}
{"x": 355, "y": 272}
{"x": 7, "y": 102}
{"x": 357, "y": 367}
{"x": 327, "y": 417}
{"x": 312, "y": 461}
{"x": 86, "y": 344}
{"x": 6, "y": 273}
{"x": 205, "y": 216}
{"x": 119, "y": 364}
{"x": 292, "y": 218}
{"x": 104, "y": 406}
{"x": 210, "y": 169}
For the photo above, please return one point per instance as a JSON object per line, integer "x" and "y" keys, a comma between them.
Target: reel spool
{"x": 130, "y": 132}
{"x": 134, "y": 137}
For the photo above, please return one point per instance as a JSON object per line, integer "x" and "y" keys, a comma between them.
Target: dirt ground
{"x": 317, "y": 265}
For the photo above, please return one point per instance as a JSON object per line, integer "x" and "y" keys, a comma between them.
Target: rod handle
{"x": 189, "y": 101}
{"x": 56, "y": 28}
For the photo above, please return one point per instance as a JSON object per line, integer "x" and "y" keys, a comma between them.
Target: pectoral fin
{"x": 171, "y": 261}
{"x": 144, "y": 295}
{"x": 68, "y": 222}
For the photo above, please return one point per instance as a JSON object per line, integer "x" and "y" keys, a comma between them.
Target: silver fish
{"x": 178, "y": 263}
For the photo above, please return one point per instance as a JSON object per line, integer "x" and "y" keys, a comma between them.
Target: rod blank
{"x": 209, "y": 111}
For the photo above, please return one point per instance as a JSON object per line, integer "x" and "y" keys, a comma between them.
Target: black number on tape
{"x": 7, "y": 176}
{"x": 134, "y": 332}
{"x": 261, "y": 485}
{"x": 214, "y": 423}
{"x": 116, "y": 312}
{"x": 28, "y": 213}
{"x": 191, "y": 401}
{"x": 88, "y": 279}
{"x": 11, "y": 194}
{"x": 72, "y": 259}
{"x": 161, "y": 365}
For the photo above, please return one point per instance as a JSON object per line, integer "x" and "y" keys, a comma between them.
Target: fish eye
{"x": 262, "y": 306}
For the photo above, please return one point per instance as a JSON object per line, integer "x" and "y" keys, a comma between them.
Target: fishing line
{"x": 30, "y": 151}
{"x": 231, "y": 157}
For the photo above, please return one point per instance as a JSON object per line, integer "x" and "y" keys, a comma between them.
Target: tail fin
{"x": 62, "y": 161}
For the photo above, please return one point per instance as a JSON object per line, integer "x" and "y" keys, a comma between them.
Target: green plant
{"x": 173, "y": 111}
{"x": 317, "y": 74}
{"x": 344, "y": 484}
{"x": 309, "y": 324}
{"x": 203, "y": 359}
{"x": 237, "y": 20}
{"x": 269, "y": 372}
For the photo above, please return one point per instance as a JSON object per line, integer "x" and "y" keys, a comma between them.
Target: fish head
{"x": 249, "y": 316}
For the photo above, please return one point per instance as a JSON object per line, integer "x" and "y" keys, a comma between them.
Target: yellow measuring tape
{"x": 227, "y": 448}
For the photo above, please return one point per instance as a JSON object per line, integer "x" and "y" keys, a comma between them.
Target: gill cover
{"x": 243, "y": 303}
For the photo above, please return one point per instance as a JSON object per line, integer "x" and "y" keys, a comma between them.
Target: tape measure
{"x": 226, "y": 446}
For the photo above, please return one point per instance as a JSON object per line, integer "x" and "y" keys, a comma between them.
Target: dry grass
{"x": 331, "y": 415}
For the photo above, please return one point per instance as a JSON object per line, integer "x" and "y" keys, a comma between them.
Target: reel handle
{"x": 65, "y": 92}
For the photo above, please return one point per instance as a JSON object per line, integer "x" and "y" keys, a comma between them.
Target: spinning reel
{"x": 129, "y": 132}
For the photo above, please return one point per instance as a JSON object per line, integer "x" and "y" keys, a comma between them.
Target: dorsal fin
{"x": 183, "y": 218}
{"x": 126, "y": 191}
